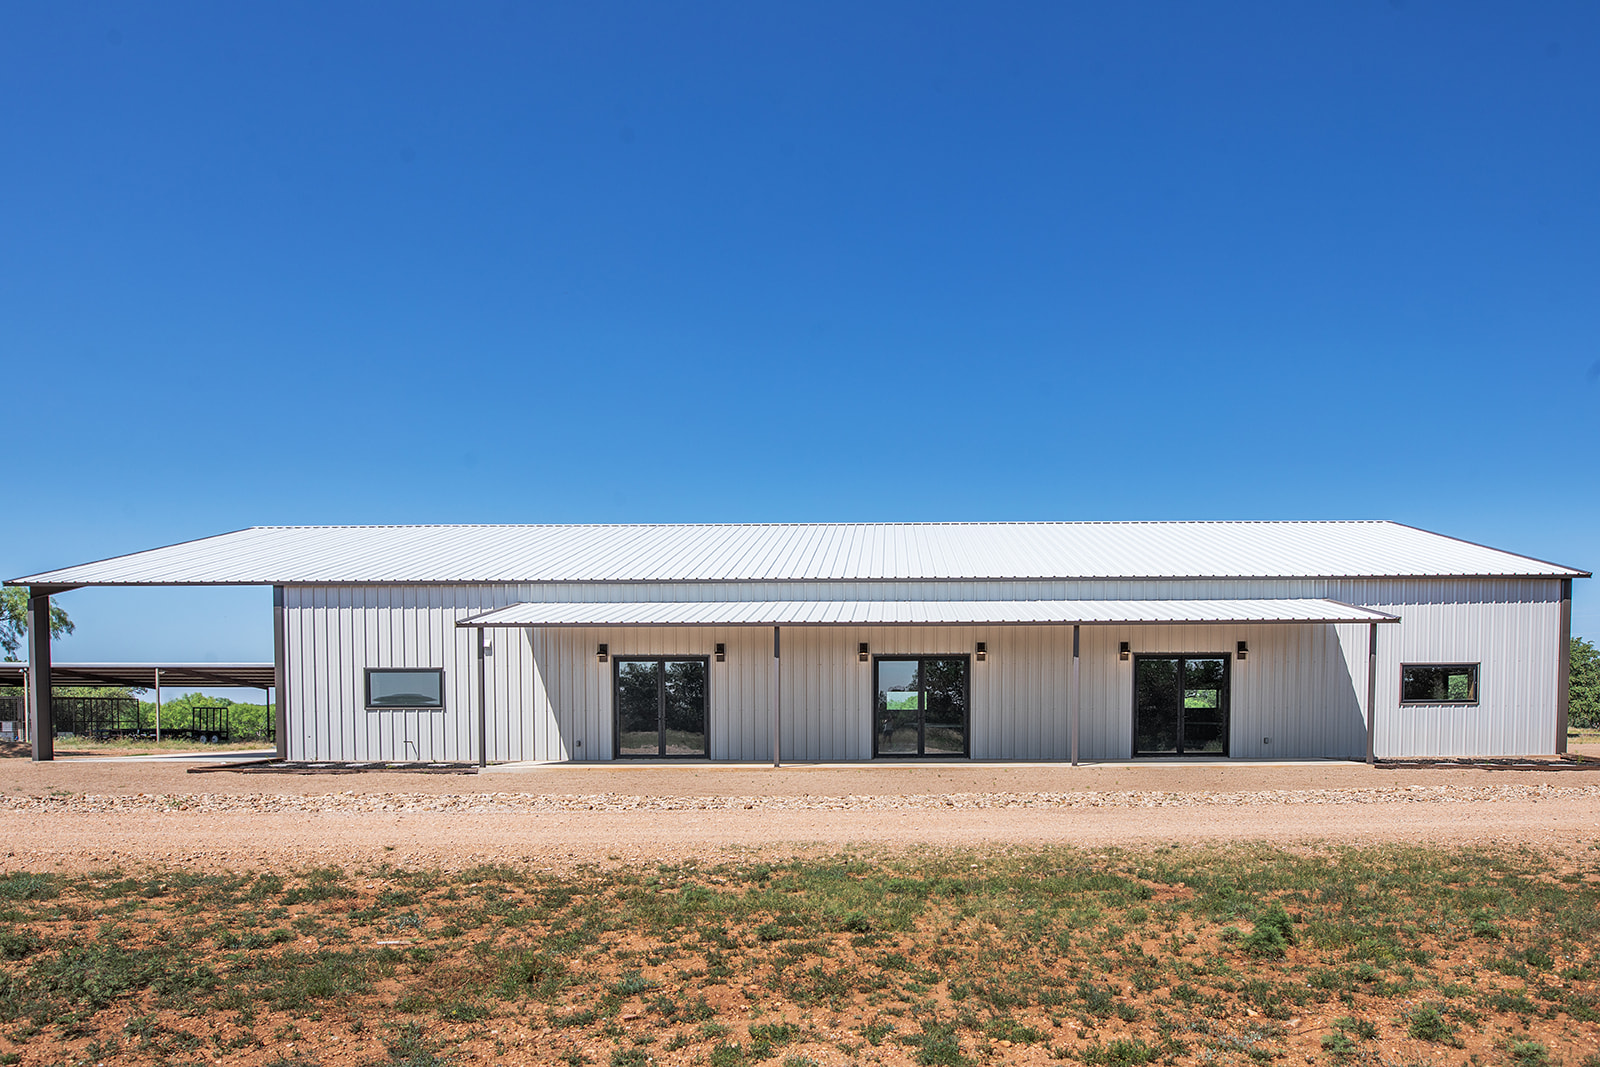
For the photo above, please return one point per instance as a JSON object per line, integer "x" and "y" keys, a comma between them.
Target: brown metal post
{"x": 483, "y": 696}
{"x": 1077, "y": 694}
{"x": 777, "y": 705}
{"x": 43, "y": 725}
{"x": 1372, "y": 688}
{"x": 280, "y": 670}
{"x": 1564, "y": 666}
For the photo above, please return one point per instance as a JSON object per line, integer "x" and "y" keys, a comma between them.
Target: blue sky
{"x": 388, "y": 262}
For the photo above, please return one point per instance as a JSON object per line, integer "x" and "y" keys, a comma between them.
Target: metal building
{"x": 1024, "y": 641}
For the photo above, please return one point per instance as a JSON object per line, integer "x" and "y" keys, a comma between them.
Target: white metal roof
{"x": 925, "y": 613}
{"x": 295, "y": 555}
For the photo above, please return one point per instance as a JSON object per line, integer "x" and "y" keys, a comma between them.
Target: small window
{"x": 409, "y": 687}
{"x": 1439, "y": 683}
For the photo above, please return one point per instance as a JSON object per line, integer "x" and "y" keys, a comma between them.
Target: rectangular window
{"x": 1439, "y": 683}
{"x": 405, "y": 687}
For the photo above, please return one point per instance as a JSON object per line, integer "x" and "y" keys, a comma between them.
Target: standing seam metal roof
{"x": 338, "y": 555}
{"x": 925, "y": 613}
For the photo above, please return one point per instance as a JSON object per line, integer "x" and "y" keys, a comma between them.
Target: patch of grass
{"x": 941, "y": 955}
{"x": 1122, "y": 1052}
{"x": 1427, "y": 1023}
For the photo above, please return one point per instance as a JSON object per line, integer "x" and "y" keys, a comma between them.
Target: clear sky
{"x": 573, "y": 262}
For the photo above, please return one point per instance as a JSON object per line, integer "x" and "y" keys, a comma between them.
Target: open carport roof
{"x": 143, "y": 675}
{"x": 984, "y": 551}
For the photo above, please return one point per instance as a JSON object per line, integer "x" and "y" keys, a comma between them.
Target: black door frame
{"x": 661, "y": 703}
{"x": 922, "y": 705}
{"x": 1227, "y": 701}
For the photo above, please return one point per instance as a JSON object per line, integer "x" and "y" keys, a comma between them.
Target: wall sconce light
{"x": 982, "y": 651}
{"x": 602, "y": 653}
{"x": 861, "y": 652}
{"x": 721, "y": 652}
{"x": 1244, "y": 650}
{"x": 1123, "y": 651}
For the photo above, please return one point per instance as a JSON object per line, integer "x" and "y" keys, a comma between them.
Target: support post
{"x": 483, "y": 696}
{"x": 1564, "y": 666}
{"x": 280, "y": 670}
{"x": 43, "y": 725}
{"x": 1372, "y": 688}
{"x": 777, "y": 697}
{"x": 158, "y": 707}
{"x": 1077, "y": 693}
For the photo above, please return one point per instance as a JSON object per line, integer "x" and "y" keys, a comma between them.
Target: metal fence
{"x": 108, "y": 717}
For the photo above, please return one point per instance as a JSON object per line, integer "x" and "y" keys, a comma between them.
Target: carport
{"x": 41, "y": 727}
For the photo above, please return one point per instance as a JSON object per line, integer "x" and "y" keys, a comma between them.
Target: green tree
{"x": 1583, "y": 685}
{"x": 14, "y": 619}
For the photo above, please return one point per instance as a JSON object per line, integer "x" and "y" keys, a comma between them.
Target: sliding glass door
{"x": 661, "y": 707}
{"x": 1180, "y": 705}
{"x": 922, "y": 704}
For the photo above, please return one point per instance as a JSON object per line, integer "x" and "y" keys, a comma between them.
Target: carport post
{"x": 483, "y": 713}
{"x": 1077, "y": 693}
{"x": 158, "y": 707}
{"x": 280, "y": 672}
{"x": 43, "y": 726}
{"x": 1372, "y": 687}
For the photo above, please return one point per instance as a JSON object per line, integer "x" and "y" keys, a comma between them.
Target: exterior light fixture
{"x": 861, "y": 652}
{"x": 1244, "y": 650}
{"x": 982, "y": 651}
{"x": 602, "y": 653}
{"x": 1123, "y": 651}
{"x": 721, "y": 651}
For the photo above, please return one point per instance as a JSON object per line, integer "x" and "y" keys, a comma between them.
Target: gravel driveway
{"x": 88, "y": 815}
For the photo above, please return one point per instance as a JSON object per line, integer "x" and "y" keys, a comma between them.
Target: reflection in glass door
{"x": 661, "y": 707}
{"x": 921, "y": 705}
{"x": 1180, "y": 705}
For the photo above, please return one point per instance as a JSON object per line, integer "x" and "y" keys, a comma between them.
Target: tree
{"x": 14, "y": 620}
{"x": 1583, "y": 685}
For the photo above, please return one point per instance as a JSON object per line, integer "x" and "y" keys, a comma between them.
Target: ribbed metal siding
{"x": 1302, "y": 686}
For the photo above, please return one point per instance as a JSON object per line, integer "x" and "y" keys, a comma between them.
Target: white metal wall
{"x": 1300, "y": 693}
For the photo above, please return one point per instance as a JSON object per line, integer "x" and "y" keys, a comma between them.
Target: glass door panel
{"x": 684, "y": 716}
{"x": 899, "y": 708}
{"x": 1180, "y": 706}
{"x": 944, "y": 730}
{"x": 638, "y": 708}
{"x": 1156, "y": 706}
{"x": 661, "y": 707}
{"x": 1205, "y": 708}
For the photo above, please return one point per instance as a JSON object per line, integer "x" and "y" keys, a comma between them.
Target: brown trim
{"x": 1564, "y": 667}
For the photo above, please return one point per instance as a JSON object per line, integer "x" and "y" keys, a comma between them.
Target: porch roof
{"x": 925, "y": 613}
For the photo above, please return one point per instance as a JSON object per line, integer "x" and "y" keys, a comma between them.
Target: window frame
{"x": 616, "y": 703}
{"x": 966, "y": 696}
{"x": 1227, "y": 703}
{"x": 367, "y": 688}
{"x": 1477, "y": 683}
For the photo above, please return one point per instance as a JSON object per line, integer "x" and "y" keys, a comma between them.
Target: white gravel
{"x": 352, "y": 802}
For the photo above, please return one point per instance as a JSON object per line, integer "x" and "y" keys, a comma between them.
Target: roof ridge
{"x": 808, "y": 525}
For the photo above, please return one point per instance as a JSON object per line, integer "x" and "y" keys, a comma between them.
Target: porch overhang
{"x": 928, "y": 613}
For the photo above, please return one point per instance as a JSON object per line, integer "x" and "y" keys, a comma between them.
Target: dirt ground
{"x": 88, "y": 815}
